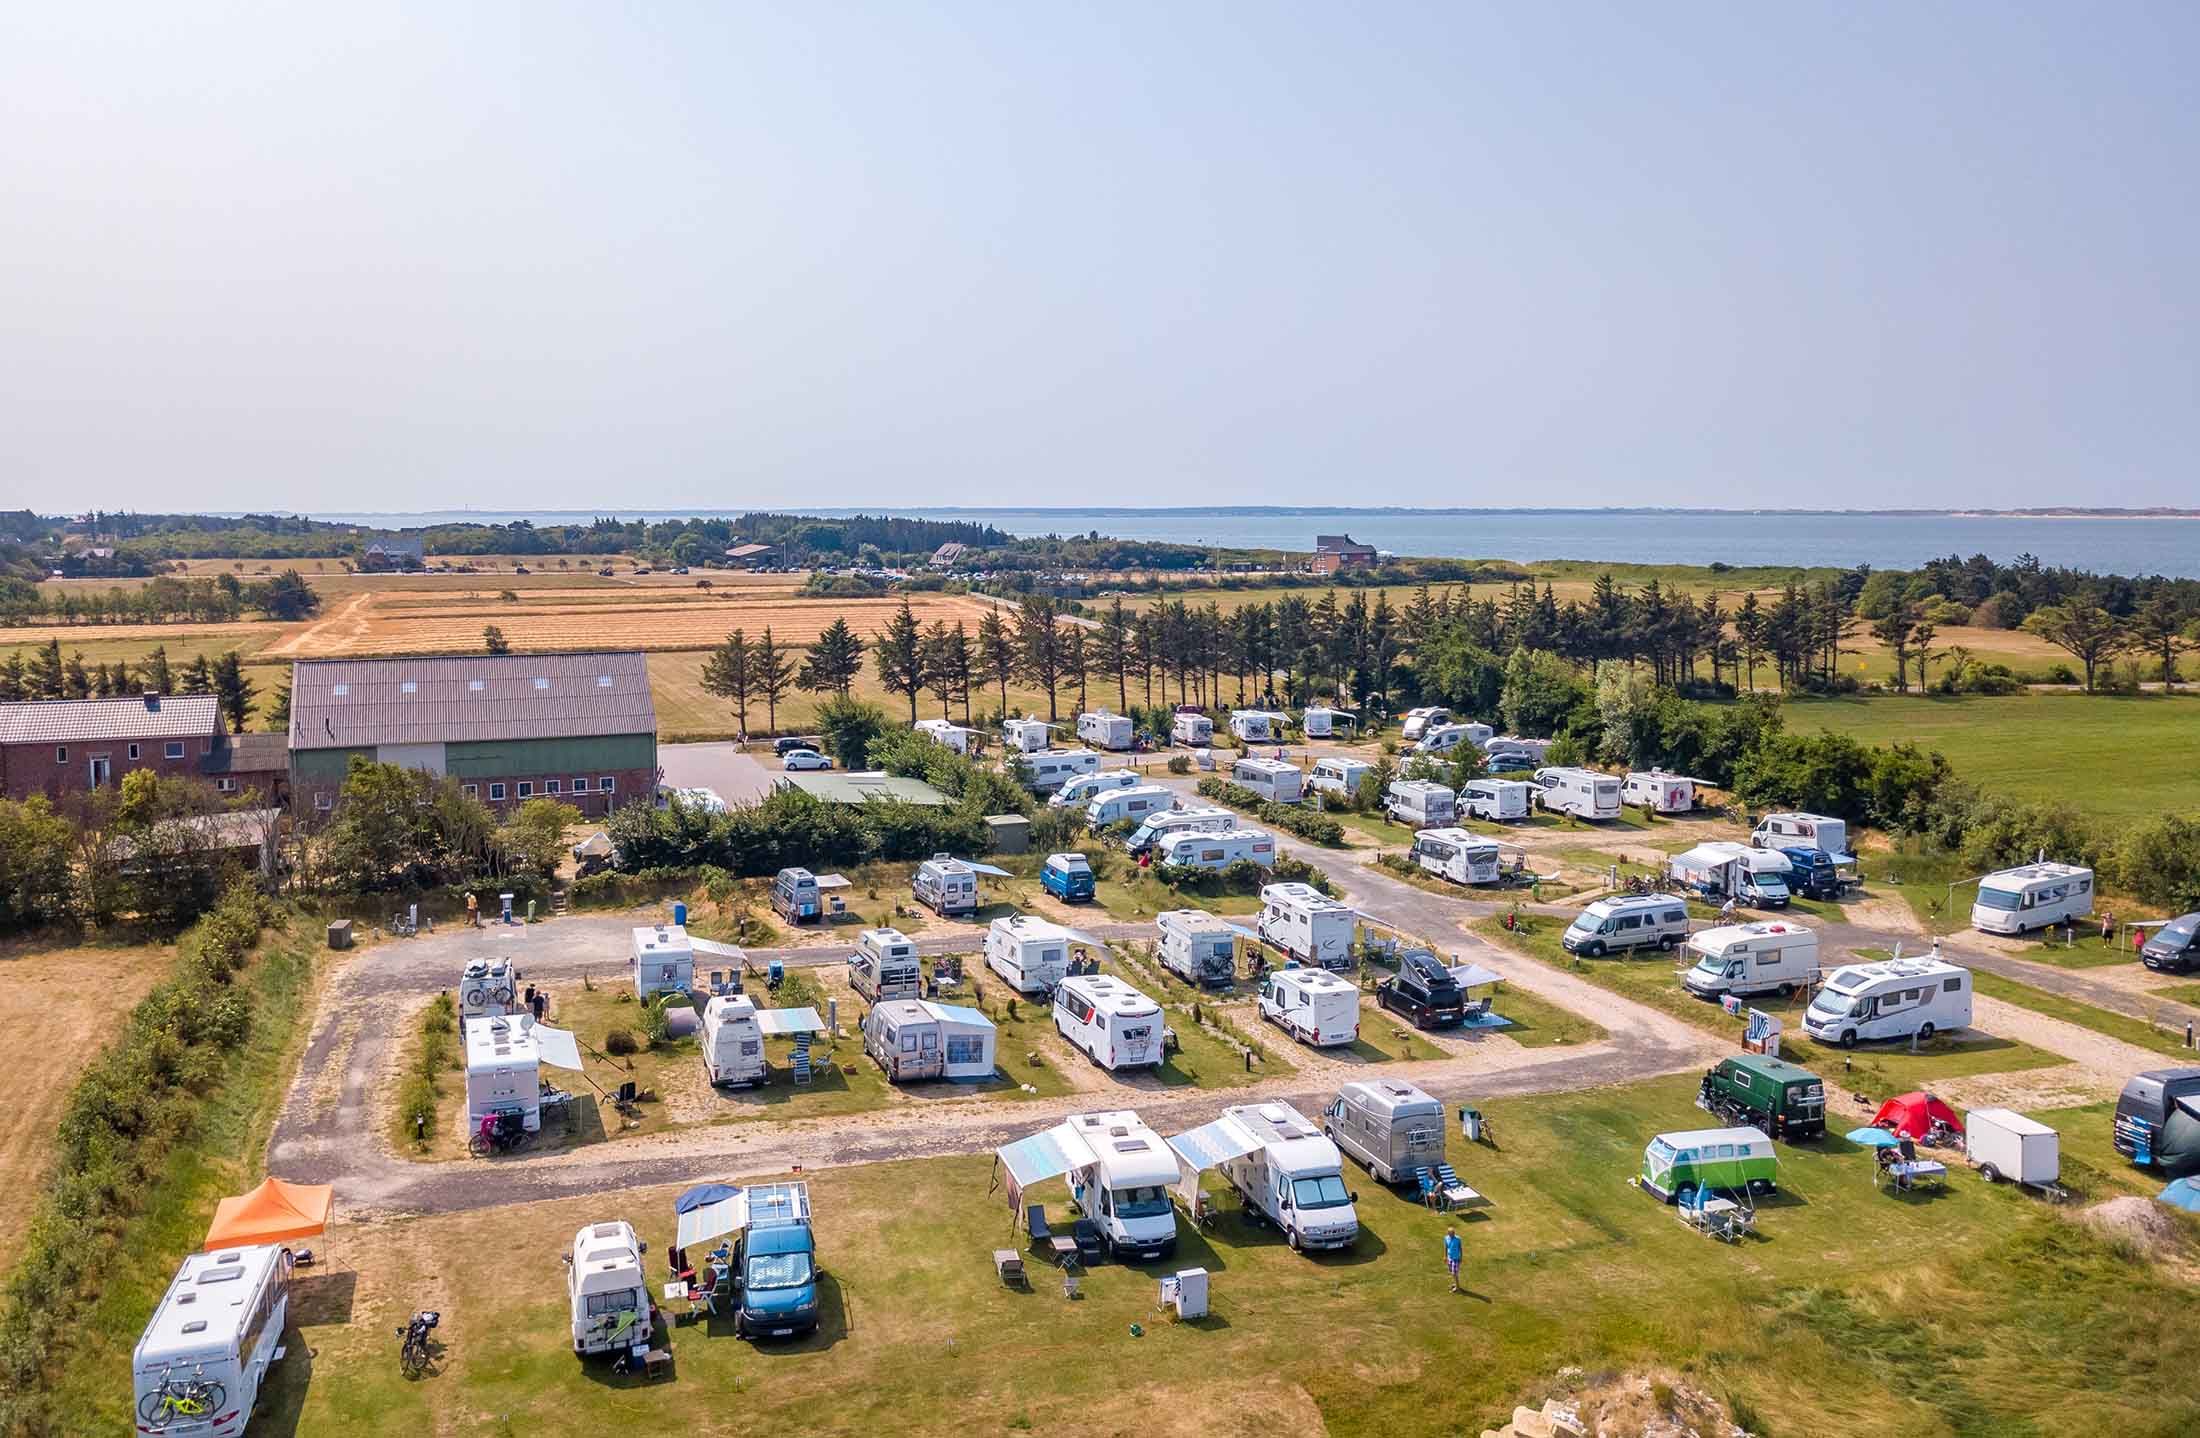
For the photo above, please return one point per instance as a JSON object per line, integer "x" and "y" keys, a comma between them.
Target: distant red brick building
{"x": 58, "y": 747}
{"x": 1333, "y": 552}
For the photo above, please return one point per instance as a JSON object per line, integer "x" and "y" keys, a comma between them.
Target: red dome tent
{"x": 1913, "y": 1115}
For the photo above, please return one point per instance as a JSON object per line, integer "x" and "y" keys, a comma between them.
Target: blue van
{"x": 1067, "y": 877}
{"x": 777, "y": 1265}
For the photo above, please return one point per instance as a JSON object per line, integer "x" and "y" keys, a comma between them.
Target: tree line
{"x": 166, "y": 599}
{"x": 47, "y": 675}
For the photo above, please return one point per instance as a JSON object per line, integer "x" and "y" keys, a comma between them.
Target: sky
{"x": 583, "y": 255}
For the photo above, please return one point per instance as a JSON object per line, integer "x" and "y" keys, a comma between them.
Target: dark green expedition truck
{"x": 1784, "y": 1100}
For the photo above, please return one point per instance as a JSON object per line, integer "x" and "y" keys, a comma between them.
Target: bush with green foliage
{"x": 1309, "y": 824}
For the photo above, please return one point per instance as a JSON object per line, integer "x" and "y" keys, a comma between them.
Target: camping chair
{"x": 1425, "y": 1180}
{"x": 1072, "y": 1284}
{"x": 1091, "y": 1247}
{"x": 1008, "y": 1266}
{"x": 1035, "y": 1223}
{"x": 1450, "y": 1191}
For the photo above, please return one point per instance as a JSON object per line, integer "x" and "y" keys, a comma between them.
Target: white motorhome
{"x": 1081, "y": 788}
{"x": 1635, "y": 921}
{"x": 503, "y": 1071}
{"x": 1443, "y": 738}
{"x": 1499, "y": 800}
{"x": 1197, "y": 946}
{"x": 212, "y": 1338}
{"x": 1284, "y": 1169}
{"x": 1307, "y": 924}
{"x": 1275, "y": 780}
{"x": 1460, "y": 856}
{"x": 1314, "y": 1006}
{"x": 664, "y": 961}
{"x": 1583, "y": 793}
{"x": 1027, "y": 736}
{"x": 1163, "y": 822}
{"x": 954, "y": 736}
{"x": 1193, "y": 730}
{"x": 733, "y": 1042}
{"x": 1103, "y": 730}
{"x": 914, "y": 1039}
{"x": 2035, "y": 896}
{"x": 1338, "y": 776}
{"x": 489, "y": 988}
{"x": 607, "y": 1290}
{"x": 1892, "y": 999}
{"x": 1745, "y": 959}
{"x": 945, "y": 885}
{"x": 1032, "y": 954}
{"x": 1319, "y": 721}
{"x": 885, "y": 966}
{"x": 1216, "y": 850}
{"x": 1723, "y": 870}
{"x": 1389, "y": 1125}
{"x": 1136, "y": 803}
{"x": 1050, "y": 769}
{"x": 1117, "y": 1026}
{"x": 1420, "y": 721}
{"x": 1420, "y": 803}
{"x": 1801, "y": 831}
{"x": 1258, "y": 726}
{"x": 1659, "y": 792}
{"x": 1119, "y": 1171}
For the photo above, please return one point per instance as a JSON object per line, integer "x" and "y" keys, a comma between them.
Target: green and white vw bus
{"x": 1728, "y": 1160}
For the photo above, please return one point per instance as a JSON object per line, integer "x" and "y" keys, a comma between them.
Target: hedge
{"x": 1309, "y": 824}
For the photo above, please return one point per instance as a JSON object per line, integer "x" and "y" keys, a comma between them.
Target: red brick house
{"x": 58, "y": 747}
{"x": 1333, "y": 552}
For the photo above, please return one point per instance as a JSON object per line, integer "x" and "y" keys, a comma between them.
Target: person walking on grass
{"x": 2108, "y": 929}
{"x": 1454, "y": 1250}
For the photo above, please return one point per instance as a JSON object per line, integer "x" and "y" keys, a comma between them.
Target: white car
{"x": 805, "y": 759}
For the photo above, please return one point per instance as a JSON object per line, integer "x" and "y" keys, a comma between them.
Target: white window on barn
{"x": 61, "y": 754}
{"x": 133, "y": 751}
{"x": 323, "y": 801}
{"x": 173, "y": 749}
{"x": 550, "y": 786}
{"x": 496, "y": 793}
{"x": 526, "y": 788}
{"x": 580, "y": 783}
{"x": 471, "y": 791}
{"x": 607, "y": 785}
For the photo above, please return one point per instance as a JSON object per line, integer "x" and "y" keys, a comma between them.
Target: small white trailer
{"x": 1191, "y": 729}
{"x": 1339, "y": 776}
{"x": 915, "y": 1039}
{"x": 1198, "y": 947}
{"x": 2033, "y": 896}
{"x": 1420, "y": 803}
{"x": 946, "y": 885}
{"x": 1801, "y": 831}
{"x": 1136, "y": 802}
{"x": 954, "y": 736}
{"x": 1501, "y": 801}
{"x": 211, "y": 1339}
{"x": 1164, "y": 822}
{"x": 1258, "y": 726}
{"x": 1103, "y": 730}
{"x": 489, "y": 988}
{"x": 1314, "y": 1006}
{"x": 664, "y": 961}
{"x": 1275, "y": 780}
{"x": 1420, "y": 721}
{"x": 608, "y": 1292}
{"x": 1027, "y": 736}
{"x": 1659, "y": 792}
{"x": 1080, "y": 788}
{"x": 733, "y": 1042}
{"x": 1319, "y": 721}
{"x": 2006, "y": 1144}
{"x": 1197, "y": 850}
{"x": 1307, "y": 924}
{"x": 1117, "y": 1026}
{"x": 1583, "y": 793}
{"x": 1031, "y": 954}
{"x": 503, "y": 1071}
{"x": 885, "y": 966}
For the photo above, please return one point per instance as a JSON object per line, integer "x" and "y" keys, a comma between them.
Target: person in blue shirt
{"x": 1453, "y": 1252}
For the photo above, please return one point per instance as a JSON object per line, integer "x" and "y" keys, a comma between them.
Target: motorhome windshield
{"x": 1328, "y": 1191}
{"x": 1147, "y": 1201}
{"x": 1591, "y": 923}
{"x": 1834, "y": 1005}
{"x": 779, "y": 1270}
{"x": 1998, "y": 898}
{"x": 1711, "y": 964}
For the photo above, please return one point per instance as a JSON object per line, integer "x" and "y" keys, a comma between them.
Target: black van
{"x": 1423, "y": 991}
{"x": 792, "y": 742}
{"x": 2175, "y": 947}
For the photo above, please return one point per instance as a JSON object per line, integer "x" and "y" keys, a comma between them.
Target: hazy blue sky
{"x": 388, "y": 256}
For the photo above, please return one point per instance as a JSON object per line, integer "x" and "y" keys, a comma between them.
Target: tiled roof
{"x": 58, "y": 721}
{"x": 248, "y": 754}
{"x": 348, "y": 703}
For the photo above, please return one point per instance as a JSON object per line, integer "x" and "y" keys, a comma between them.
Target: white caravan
{"x": 1659, "y": 792}
{"x": 1027, "y": 736}
{"x": 503, "y": 1071}
{"x": 1319, "y": 721}
{"x": 1314, "y": 1006}
{"x": 2036, "y": 896}
{"x": 1498, "y": 800}
{"x": 1050, "y": 769}
{"x": 218, "y": 1328}
{"x": 1164, "y": 822}
{"x": 664, "y": 961}
{"x": 1444, "y": 738}
{"x": 1273, "y": 779}
{"x": 1892, "y": 999}
{"x": 1258, "y": 726}
{"x": 1459, "y": 856}
{"x": 1284, "y": 1169}
{"x": 1081, "y": 788}
{"x": 1583, "y": 793}
{"x": 1338, "y": 776}
{"x": 1724, "y": 870}
{"x": 1217, "y": 850}
{"x": 608, "y": 1291}
{"x": 1420, "y": 803}
{"x": 1801, "y": 831}
{"x": 1117, "y": 1026}
{"x": 1420, "y": 721}
{"x": 733, "y": 1042}
{"x": 885, "y": 966}
{"x": 945, "y": 885}
{"x": 1307, "y": 924}
{"x": 1745, "y": 959}
{"x": 1197, "y": 946}
{"x": 1032, "y": 954}
{"x": 489, "y": 988}
{"x": 913, "y": 1040}
{"x": 954, "y": 736}
{"x": 1103, "y": 730}
{"x": 1135, "y": 803}
{"x": 1193, "y": 730}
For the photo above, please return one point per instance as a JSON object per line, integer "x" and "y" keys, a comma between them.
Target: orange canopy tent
{"x": 275, "y": 1212}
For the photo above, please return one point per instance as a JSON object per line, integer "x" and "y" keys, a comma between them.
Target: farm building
{"x": 748, "y": 554}
{"x": 395, "y": 552}
{"x": 509, "y": 727}
{"x": 56, "y": 747}
{"x": 863, "y": 786}
{"x": 1334, "y": 552}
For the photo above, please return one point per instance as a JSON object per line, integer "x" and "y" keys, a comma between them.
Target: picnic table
{"x": 1906, "y": 1174}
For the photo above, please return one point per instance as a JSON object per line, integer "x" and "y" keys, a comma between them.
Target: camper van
{"x": 211, "y": 1340}
{"x": 1720, "y": 1160}
{"x": 1068, "y": 877}
{"x": 954, "y": 736}
{"x": 1423, "y": 992}
{"x": 2036, "y": 896}
{"x": 1124, "y": 1188}
{"x": 912, "y": 1040}
{"x": 1082, "y": 789}
{"x": 1133, "y": 803}
{"x": 1636, "y": 921}
{"x": 1031, "y": 954}
{"x": 1027, "y": 736}
{"x": 1314, "y": 1006}
{"x": 1769, "y": 1094}
{"x": 489, "y": 988}
{"x": 885, "y": 966}
{"x": 1103, "y": 730}
{"x": 1288, "y": 1173}
{"x": 1444, "y": 738}
{"x": 1815, "y": 831}
{"x": 1258, "y": 726}
{"x": 1319, "y": 721}
{"x": 1339, "y": 776}
{"x": 1050, "y": 769}
{"x": 1659, "y": 792}
{"x": 1583, "y": 793}
{"x": 1199, "y": 850}
{"x": 1192, "y": 730}
{"x": 2158, "y": 1118}
{"x": 1501, "y": 801}
{"x": 1198, "y": 947}
{"x": 503, "y": 1071}
{"x": 1721, "y": 870}
{"x": 733, "y": 1040}
{"x": 1307, "y": 924}
{"x": 1389, "y": 1125}
{"x": 1892, "y": 999}
{"x": 1164, "y": 822}
{"x": 1117, "y": 1026}
{"x": 1420, "y": 803}
{"x": 946, "y": 886}
{"x": 1745, "y": 959}
{"x": 664, "y": 961}
{"x": 1509, "y": 752}
{"x": 1463, "y": 858}
{"x": 795, "y": 896}
{"x": 1273, "y": 779}
{"x": 776, "y": 1257}
{"x": 608, "y": 1292}
{"x": 1420, "y": 721}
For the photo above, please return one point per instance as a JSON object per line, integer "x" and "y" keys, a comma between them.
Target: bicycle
{"x": 498, "y": 1133}
{"x": 417, "y": 1349}
{"x": 198, "y": 1398}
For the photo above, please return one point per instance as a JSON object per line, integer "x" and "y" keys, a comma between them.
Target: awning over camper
{"x": 1244, "y": 933}
{"x": 717, "y": 950}
{"x": 831, "y": 881}
{"x": 1081, "y": 937}
{"x": 1211, "y": 1144}
{"x": 777, "y": 1023}
{"x": 707, "y": 1221}
{"x": 990, "y": 869}
{"x": 958, "y": 1014}
{"x": 1473, "y": 976}
{"x": 556, "y": 1047}
{"x": 275, "y": 1212}
{"x": 1043, "y": 1156}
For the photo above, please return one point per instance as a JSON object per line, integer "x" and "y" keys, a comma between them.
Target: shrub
{"x": 1310, "y": 824}
{"x": 620, "y": 1043}
{"x": 1180, "y": 763}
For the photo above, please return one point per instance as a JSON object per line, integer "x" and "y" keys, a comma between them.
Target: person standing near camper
{"x": 2108, "y": 928}
{"x": 473, "y": 911}
{"x": 1454, "y": 1250}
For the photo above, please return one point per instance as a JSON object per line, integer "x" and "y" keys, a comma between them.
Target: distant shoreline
{"x": 465, "y": 515}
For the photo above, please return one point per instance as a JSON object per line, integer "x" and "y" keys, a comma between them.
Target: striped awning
{"x": 713, "y": 1220}
{"x": 1212, "y": 1144}
{"x": 777, "y": 1023}
{"x": 1044, "y": 1155}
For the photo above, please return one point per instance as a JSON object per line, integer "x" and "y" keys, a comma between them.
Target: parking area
{"x": 722, "y": 768}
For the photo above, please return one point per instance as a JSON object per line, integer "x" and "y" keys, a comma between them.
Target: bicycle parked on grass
{"x": 498, "y": 1133}
{"x": 195, "y": 1398}
{"x": 417, "y": 1349}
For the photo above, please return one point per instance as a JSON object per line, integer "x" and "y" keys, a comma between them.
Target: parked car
{"x": 1423, "y": 991}
{"x": 805, "y": 759}
{"x": 2175, "y": 947}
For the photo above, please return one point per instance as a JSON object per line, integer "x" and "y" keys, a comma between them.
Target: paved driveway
{"x": 722, "y": 768}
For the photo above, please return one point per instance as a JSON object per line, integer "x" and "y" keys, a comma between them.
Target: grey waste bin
{"x": 339, "y": 934}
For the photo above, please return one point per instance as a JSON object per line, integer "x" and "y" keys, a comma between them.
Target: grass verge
{"x": 2137, "y": 1032}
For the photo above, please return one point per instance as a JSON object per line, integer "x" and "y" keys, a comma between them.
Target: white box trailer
{"x": 1891, "y": 999}
{"x": 1659, "y": 792}
{"x": 607, "y": 1291}
{"x": 954, "y": 736}
{"x": 914, "y": 1039}
{"x": 1420, "y": 721}
{"x": 1744, "y": 959}
{"x": 1136, "y": 803}
{"x": 1081, "y": 788}
{"x": 503, "y": 1071}
{"x": 1031, "y": 954}
{"x": 211, "y": 1339}
{"x": 1282, "y": 1167}
{"x": 1583, "y": 793}
{"x": 885, "y": 966}
{"x": 1117, "y": 1026}
{"x": 1307, "y": 924}
{"x": 1198, "y": 947}
{"x": 1444, "y": 738}
{"x": 2006, "y": 1144}
{"x": 1319, "y": 721}
{"x": 1500, "y": 801}
{"x": 1258, "y": 726}
{"x": 1164, "y": 822}
{"x": 1103, "y": 730}
{"x": 664, "y": 961}
{"x": 1275, "y": 780}
{"x": 1462, "y": 857}
{"x": 1208, "y": 850}
{"x": 1027, "y": 736}
{"x": 1339, "y": 776}
{"x": 1801, "y": 831}
{"x": 1420, "y": 803}
{"x": 1314, "y": 1006}
{"x": 2033, "y": 896}
{"x": 1192, "y": 730}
